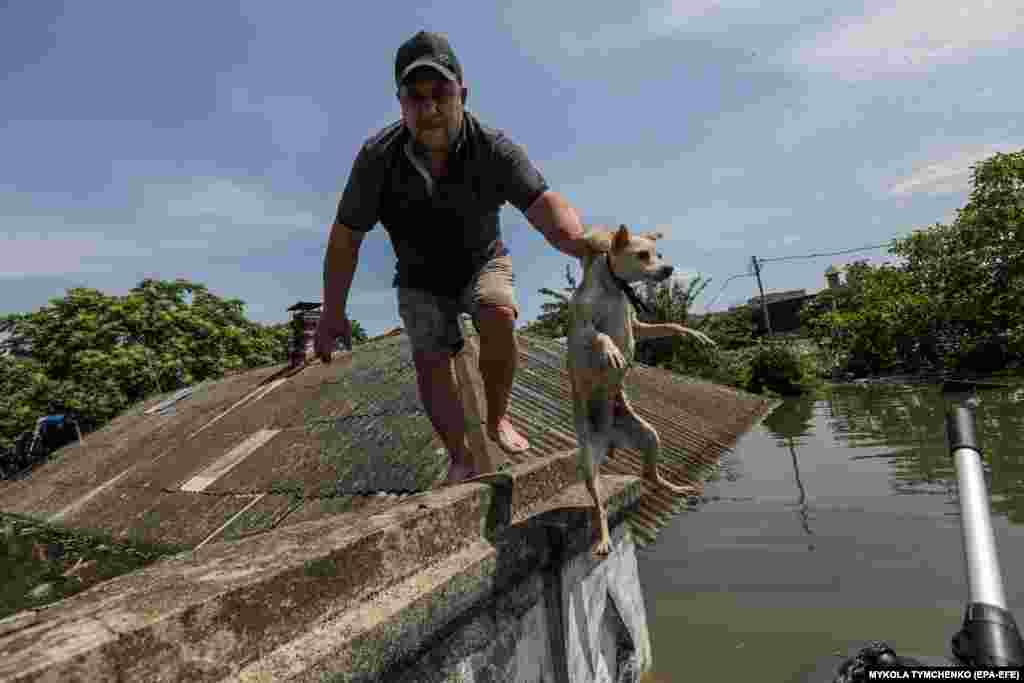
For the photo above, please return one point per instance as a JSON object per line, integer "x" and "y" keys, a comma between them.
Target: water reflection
{"x": 910, "y": 420}
{"x": 789, "y": 423}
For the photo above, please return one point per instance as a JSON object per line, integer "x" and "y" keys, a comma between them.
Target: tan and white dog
{"x": 603, "y": 330}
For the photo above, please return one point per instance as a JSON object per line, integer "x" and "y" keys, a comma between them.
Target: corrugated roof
{"x": 276, "y": 446}
{"x": 696, "y": 420}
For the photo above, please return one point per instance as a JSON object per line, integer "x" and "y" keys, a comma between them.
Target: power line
{"x": 707, "y": 307}
{"x": 830, "y": 253}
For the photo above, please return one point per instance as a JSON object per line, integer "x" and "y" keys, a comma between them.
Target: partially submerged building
{"x": 318, "y": 543}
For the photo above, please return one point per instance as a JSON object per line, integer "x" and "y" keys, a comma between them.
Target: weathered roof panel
{"x": 276, "y": 446}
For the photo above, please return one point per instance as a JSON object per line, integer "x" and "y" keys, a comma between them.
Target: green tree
{"x": 732, "y": 329}
{"x": 553, "y": 322}
{"x": 358, "y": 334}
{"x": 95, "y": 354}
{"x": 870, "y": 320}
{"x": 670, "y": 302}
{"x": 972, "y": 272}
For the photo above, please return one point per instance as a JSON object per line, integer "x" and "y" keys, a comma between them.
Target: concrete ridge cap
{"x": 219, "y": 571}
{"x": 261, "y": 608}
{"x": 408, "y": 613}
{"x": 222, "y": 568}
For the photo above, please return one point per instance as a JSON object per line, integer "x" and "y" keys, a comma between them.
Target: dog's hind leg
{"x": 631, "y": 430}
{"x": 594, "y": 423}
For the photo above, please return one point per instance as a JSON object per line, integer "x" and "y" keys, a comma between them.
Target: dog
{"x": 601, "y": 339}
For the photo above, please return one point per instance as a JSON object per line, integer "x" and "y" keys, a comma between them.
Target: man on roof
{"x": 436, "y": 180}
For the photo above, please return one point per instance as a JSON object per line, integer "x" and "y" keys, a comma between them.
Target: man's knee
{"x": 428, "y": 360}
{"x": 496, "y": 315}
{"x": 497, "y": 332}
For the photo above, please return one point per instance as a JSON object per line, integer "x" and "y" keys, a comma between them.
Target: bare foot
{"x": 603, "y": 545}
{"x": 458, "y": 472}
{"x": 656, "y": 479}
{"x": 506, "y": 436}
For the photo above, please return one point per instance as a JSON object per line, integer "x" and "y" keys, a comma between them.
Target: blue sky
{"x": 211, "y": 141}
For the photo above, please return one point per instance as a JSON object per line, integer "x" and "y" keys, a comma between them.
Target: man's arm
{"x": 526, "y": 189}
{"x": 555, "y": 218}
{"x": 339, "y": 268}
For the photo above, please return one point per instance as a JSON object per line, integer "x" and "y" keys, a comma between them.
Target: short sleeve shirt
{"x": 442, "y": 229}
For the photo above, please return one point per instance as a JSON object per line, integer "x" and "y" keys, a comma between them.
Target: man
{"x": 436, "y": 181}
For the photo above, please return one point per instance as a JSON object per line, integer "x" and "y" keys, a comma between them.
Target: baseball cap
{"x": 427, "y": 49}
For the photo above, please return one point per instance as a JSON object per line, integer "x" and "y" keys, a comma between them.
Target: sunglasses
{"x": 443, "y": 93}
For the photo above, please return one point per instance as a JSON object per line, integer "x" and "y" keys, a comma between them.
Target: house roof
{"x": 776, "y": 297}
{"x": 274, "y": 446}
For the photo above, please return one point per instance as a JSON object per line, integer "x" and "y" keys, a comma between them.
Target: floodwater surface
{"x": 833, "y": 523}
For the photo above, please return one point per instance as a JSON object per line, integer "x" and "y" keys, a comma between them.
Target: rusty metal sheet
{"x": 265, "y": 514}
{"x": 134, "y": 438}
{"x": 290, "y": 463}
{"x": 157, "y": 516}
{"x": 35, "y": 499}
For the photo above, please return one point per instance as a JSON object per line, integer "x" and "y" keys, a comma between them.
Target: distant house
{"x": 783, "y": 310}
{"x": 784, "y": 307}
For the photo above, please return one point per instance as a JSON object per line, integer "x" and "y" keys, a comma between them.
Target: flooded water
{"x": 834, "y": 522}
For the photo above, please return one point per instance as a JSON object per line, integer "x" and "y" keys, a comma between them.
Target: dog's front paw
{"x": 610, "y": 353}
{"x": 696, "y": 334}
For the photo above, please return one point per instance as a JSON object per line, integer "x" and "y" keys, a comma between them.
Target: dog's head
{"x": 633, "y": 256}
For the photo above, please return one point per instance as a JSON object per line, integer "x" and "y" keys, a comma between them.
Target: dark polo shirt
{"x": 442, "y": 229}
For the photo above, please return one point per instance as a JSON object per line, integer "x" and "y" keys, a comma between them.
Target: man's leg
{"x": 495, "y": 313}
{"x": 499, "y": 358}
{"x": 433, "y": 336}
{"x": 440, "y": 396}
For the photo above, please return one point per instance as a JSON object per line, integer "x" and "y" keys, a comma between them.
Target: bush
{"x": 731, "y": 368}
{"x": 781, "y": 367}
{"x": 787, "y": 368}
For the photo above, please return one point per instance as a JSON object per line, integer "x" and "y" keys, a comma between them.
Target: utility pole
{"x": 764, "y": 303}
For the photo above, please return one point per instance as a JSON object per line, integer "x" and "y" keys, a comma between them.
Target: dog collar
{"x": 627, "y": 290}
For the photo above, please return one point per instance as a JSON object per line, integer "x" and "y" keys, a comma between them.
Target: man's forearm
{"x": 339, "y": 269}
{"x": 555, "y": 218}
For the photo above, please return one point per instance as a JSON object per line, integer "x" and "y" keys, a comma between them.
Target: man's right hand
{"x": 328, "y": 332}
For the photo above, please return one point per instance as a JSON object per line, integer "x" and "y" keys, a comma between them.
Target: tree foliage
{"x": 670, "y": 302}
{"x": 553, "y": 322}
{"x": 94, "y": 354}
{"x": 955, "y": 298}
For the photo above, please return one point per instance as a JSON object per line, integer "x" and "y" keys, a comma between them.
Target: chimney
{"x": 305, "y": 315}
{"x": 832, "y": 277}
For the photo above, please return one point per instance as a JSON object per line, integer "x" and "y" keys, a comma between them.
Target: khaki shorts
{"x": 432, "y": 321}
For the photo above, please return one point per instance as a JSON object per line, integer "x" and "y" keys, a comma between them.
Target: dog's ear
{"x": 621, "y": 240}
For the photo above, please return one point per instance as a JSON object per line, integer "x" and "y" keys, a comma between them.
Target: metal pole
{"x": 764, "y": 304}
{"x": 984, "y": 580}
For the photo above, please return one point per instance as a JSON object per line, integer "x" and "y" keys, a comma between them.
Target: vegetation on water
{"x": 95, "y": 355}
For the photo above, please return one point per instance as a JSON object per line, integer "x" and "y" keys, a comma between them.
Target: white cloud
{"x": 216, "y": 203}
{"x": 204, "y": 215}
{"x": 659, "y": 22}
{"x": 948, "y": 176}
{"x": 912, "y": 36}
{"x": 52, "y": 251}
